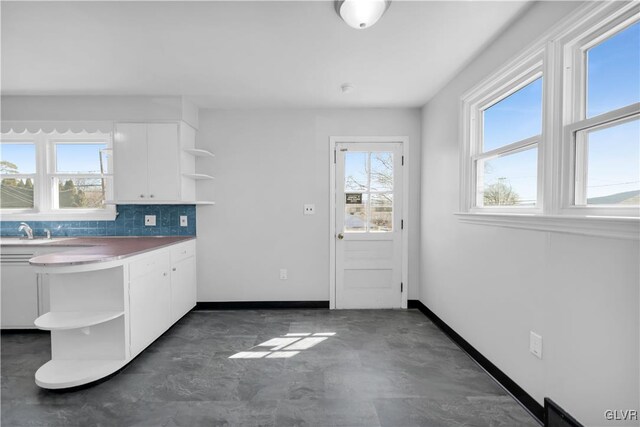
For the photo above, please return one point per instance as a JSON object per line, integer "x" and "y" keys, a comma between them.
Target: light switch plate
{"x": 150, "y": 220}
{"x": 183, "y": 221}
{"x": 309, "y": 209}
{"x": 535, "y": 344}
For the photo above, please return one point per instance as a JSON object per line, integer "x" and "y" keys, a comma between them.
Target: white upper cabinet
{"x": 130, "y": 161}
{"x": 163, "y": 151}
{"x": 150, "y": 163}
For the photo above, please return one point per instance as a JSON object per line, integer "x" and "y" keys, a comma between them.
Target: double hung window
{"x": 503, "y": 137}
{"x": 555, "y": 134}
{"x": 506, "y": 159}
{"x": 603, "y": 123}
{"x": 55, "y": 174}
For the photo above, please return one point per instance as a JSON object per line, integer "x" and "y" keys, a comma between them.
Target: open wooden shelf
{"x": 57, "y": 374}
{"x": 58, "y": 321}
{"x": 199, "y": 152}
{"x": 197, "y": 176}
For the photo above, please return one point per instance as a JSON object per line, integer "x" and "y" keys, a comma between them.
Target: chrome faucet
{"x": 25, "y": 227}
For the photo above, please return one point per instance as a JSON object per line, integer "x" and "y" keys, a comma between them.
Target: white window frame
{"x": 561, "y": 120}
{"x": 33, "y": 176}
{"x": 491, "y": 93}
{"x": 44, "y": 179}
{"x": 574, "y": 112}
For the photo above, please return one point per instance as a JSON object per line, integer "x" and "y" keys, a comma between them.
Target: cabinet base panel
{"x": 59, "y": 374}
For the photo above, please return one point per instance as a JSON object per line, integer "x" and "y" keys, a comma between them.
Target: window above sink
{"x": 58, "y": 174}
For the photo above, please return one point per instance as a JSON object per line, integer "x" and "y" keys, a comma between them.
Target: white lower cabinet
{"x": 19, "y": 295}
{"x": 183, "y": 280}
{"x": 149, "y": 300}
{"x": 104, "y": 314}
{"x": 162, "y": 289}
{"x": 24, "y": 293}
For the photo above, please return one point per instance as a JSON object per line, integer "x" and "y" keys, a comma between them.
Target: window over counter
{"x": 551, "y": 141}
{"x": 18, "y": 172}
{"x": 56, "y": 175}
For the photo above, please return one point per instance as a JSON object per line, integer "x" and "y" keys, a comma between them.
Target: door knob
{"x": 340, "y": 236}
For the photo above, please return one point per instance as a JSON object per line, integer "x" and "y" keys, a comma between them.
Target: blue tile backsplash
{"x": 129, "y": 222}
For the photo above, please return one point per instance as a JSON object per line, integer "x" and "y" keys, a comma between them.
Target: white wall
{"x": 494, "y": 285}
{"x": 87, "y": 108}
{"x": 267, "y": 165}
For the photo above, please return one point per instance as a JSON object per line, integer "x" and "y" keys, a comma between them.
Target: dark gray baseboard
{"x": 525, "y": 399}
{"x": 260, "y": 305}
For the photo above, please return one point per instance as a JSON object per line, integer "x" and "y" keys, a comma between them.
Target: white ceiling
{"x": 263, "y": 54}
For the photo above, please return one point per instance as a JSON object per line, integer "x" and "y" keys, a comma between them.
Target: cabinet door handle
{"x": 165, "y": 273}
{"x": 151, "y": 196}
{"x": 142, "y": 196}
{"x": 174, "y": 269}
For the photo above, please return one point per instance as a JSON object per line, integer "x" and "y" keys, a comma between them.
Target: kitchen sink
{"x": 35, "y": 241}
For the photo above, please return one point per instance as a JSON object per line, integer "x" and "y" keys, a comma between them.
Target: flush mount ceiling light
{"x": 361, "y": 14}
{"x": 347, "y": 88}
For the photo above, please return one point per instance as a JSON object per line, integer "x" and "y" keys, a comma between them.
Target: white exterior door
{"x": 368, "y": 225}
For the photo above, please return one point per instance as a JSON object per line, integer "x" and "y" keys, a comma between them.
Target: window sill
{"x": 613, "y": 227}
{"x": 108, "y": 215}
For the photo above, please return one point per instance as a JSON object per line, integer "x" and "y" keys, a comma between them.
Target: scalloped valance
{"x": 56, "y": 126}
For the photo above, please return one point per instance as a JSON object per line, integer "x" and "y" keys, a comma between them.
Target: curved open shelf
{"x": 56, "y": 374}
{"x": 198, "y": 152}
{"x": 57, "y": 321}
{"x": 197, "y": 176}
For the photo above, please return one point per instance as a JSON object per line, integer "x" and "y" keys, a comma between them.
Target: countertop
{"x": 95, "y": 249}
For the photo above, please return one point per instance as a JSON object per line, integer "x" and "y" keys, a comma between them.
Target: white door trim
{"x": 333, "y": 140}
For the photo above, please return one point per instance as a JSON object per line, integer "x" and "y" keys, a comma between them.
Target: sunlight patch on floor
{"x": 284, "y": 347}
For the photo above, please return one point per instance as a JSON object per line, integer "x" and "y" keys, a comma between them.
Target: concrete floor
{"x": 382, "y": 367}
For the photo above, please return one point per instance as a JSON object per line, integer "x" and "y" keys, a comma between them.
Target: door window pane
{"x": 381, "y": 171}
{"x": 17, "y": 158}
{"x": 613, "y": 72}
{"x": 355, "y": 214}
{"x": 613, "y": 165}
{"x": 16, "y": 193}
{"x": 356, "y": 171}
{"x": 381, "y": 212}
{"x": 81, "y": 158}
{"x": 368, "y": 190}
{"x": 517, "y": 117}
{"x": 510, "y": 180}
{"x": 81, "y": 193}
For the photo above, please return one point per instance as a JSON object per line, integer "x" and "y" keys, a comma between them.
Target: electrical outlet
{"x": 283, "y": 274}
{"x": 309, "y": 209}
{"x": 150, "y": 220}
{"x": 535, "y": 344}
{"x": 183, "y": 221}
